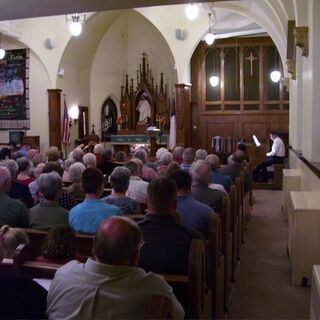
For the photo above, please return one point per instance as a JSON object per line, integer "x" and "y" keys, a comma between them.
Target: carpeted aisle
{"x": 263, "y": 289}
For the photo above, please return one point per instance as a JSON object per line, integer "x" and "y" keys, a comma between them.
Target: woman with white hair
{"x": 67, "y": 164}
{"x": 89, "y": 160}
{"x": 164, "y": 161}
{"x": 75, "y": 174}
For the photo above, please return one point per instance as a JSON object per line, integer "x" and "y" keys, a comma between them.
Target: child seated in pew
{"x": 59, "y": 246}
{"x": 11, "y": 238}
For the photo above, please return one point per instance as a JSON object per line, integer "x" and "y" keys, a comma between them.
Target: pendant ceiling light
{"x": 2, "y": 51}
{"x": 275, "y": 75}
{"x": 214, "y": 81}
{"x": 76, "y": 22}
{"x": 210, "y": 37}
{"x": 192, "y": 11}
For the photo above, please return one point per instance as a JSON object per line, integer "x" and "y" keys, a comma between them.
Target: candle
{"x": 84, "y": 123}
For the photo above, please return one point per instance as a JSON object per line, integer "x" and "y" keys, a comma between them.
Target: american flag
{"x": 65, "y": 125}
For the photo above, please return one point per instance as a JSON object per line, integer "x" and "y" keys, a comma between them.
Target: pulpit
{"x": 153, "y": 141}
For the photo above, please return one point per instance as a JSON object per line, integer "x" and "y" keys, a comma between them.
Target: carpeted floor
{"x": 263, "y": 289}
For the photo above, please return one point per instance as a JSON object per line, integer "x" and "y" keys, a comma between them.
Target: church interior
{"x": 151, "y": 73}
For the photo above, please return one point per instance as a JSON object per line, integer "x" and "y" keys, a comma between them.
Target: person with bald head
{"x": 200, "y": 191}
{"x": 12, "y": 212}
{"x": 234, "y": 168}
{"x": 110, "y": 281}
{"x": 20, "y": 297}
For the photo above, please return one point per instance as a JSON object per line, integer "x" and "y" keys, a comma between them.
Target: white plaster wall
{"x": 39, "y": 82}
{"x": 116, "y": 56}
{"x": 309, "y": 182}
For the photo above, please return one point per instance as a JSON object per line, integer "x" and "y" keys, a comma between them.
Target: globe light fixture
{"x": 76, "y": 22}
{"x": 214, "y": 81}
{"x": 210, "y": 37}
{"x": 192, "y": 11}
{"x": 275, "y": 76}
{"x": 2, "y": 53}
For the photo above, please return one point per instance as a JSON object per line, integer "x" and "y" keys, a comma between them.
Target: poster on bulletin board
{"x": 14, "y": 90}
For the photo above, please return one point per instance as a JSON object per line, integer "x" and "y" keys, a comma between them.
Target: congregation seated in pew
{"x": 17, "y": 190}
{"x": 48, "y": 212}
{"x": 111, "y": 281}
{"x": 12, "y": 212}
{"x": 193, "y": 213}
{"x": 59, "y": 246}
{"x": 107, "y": 165}
{"x": 137, "y": 189}
{"x": 167, "y": 239}
{"x": 10, "y": 238}
{"x": 201, "y": 176}
{"x": 87, "y": 216}
{"x": 148, "y": 173}
{"x": 75, "y": 174}
{"x": 167, "y": 243}
{"x": 119, "y": 180}
{"x": 235, "y": 167}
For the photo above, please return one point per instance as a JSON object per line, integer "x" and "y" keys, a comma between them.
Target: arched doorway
{"x": 109, "y": 115}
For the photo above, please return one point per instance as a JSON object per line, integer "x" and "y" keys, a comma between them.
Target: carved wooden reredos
{"x": 131, "y": 93}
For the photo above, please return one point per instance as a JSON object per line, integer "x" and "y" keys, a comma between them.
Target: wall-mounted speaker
{"x": 61, "y": 72}
{"x": 181, "y": 34}
{"x": 49, "y": 44}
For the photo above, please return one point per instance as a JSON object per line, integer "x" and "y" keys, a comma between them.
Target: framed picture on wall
{"x": 16, "y": 136}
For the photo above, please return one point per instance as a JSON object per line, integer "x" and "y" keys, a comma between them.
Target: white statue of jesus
{"x": 144, "y": 109}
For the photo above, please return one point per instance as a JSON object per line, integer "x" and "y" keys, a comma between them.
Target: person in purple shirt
{"x": 193, "y": 214}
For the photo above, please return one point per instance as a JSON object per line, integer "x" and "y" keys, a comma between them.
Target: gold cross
{"x": 251, "y": 58}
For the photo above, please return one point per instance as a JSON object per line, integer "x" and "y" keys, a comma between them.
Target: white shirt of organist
{"x": 278, "y": 148}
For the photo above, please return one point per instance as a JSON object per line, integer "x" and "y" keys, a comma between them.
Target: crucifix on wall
{"x": 251, "y": 59}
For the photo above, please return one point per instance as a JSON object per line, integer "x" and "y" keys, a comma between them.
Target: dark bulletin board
{"x": 14, "y": 90}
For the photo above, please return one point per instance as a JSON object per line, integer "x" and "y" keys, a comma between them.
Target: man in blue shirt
{"x": 87, "y": 216}
{"x": 193, "y": 214}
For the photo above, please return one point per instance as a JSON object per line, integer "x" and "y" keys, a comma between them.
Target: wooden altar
{"x": 143, "y": 90}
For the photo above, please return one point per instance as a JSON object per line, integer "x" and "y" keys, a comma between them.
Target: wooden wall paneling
{"x": 217, "y": 128}
{"x": 222, "y": 80}
{"x": 260, "y": 128}
{"x": 241, "y": 79}
{"x": 55, "y": 120}
{"x": 244, "y": 122}
{"x": 196, "y": 80}
{"x": 261, "y": 73}
{"x": 183, "y": 114}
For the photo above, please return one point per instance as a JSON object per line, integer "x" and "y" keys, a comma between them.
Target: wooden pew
{"x": 227, "y": 243}
{"x": 277, "y": 176}
{"x": 235, "y": 231}
{"x": 160, "y": 308}
{"x": 83, "y": 242}
{"x": 194, "y": 282}
{"x": 194, "y": 295}
{"x": 242, "y": 212}
{"x": 216, "y": 267}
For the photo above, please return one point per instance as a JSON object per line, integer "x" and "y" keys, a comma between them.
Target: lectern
{"x": 153, "y": 133}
